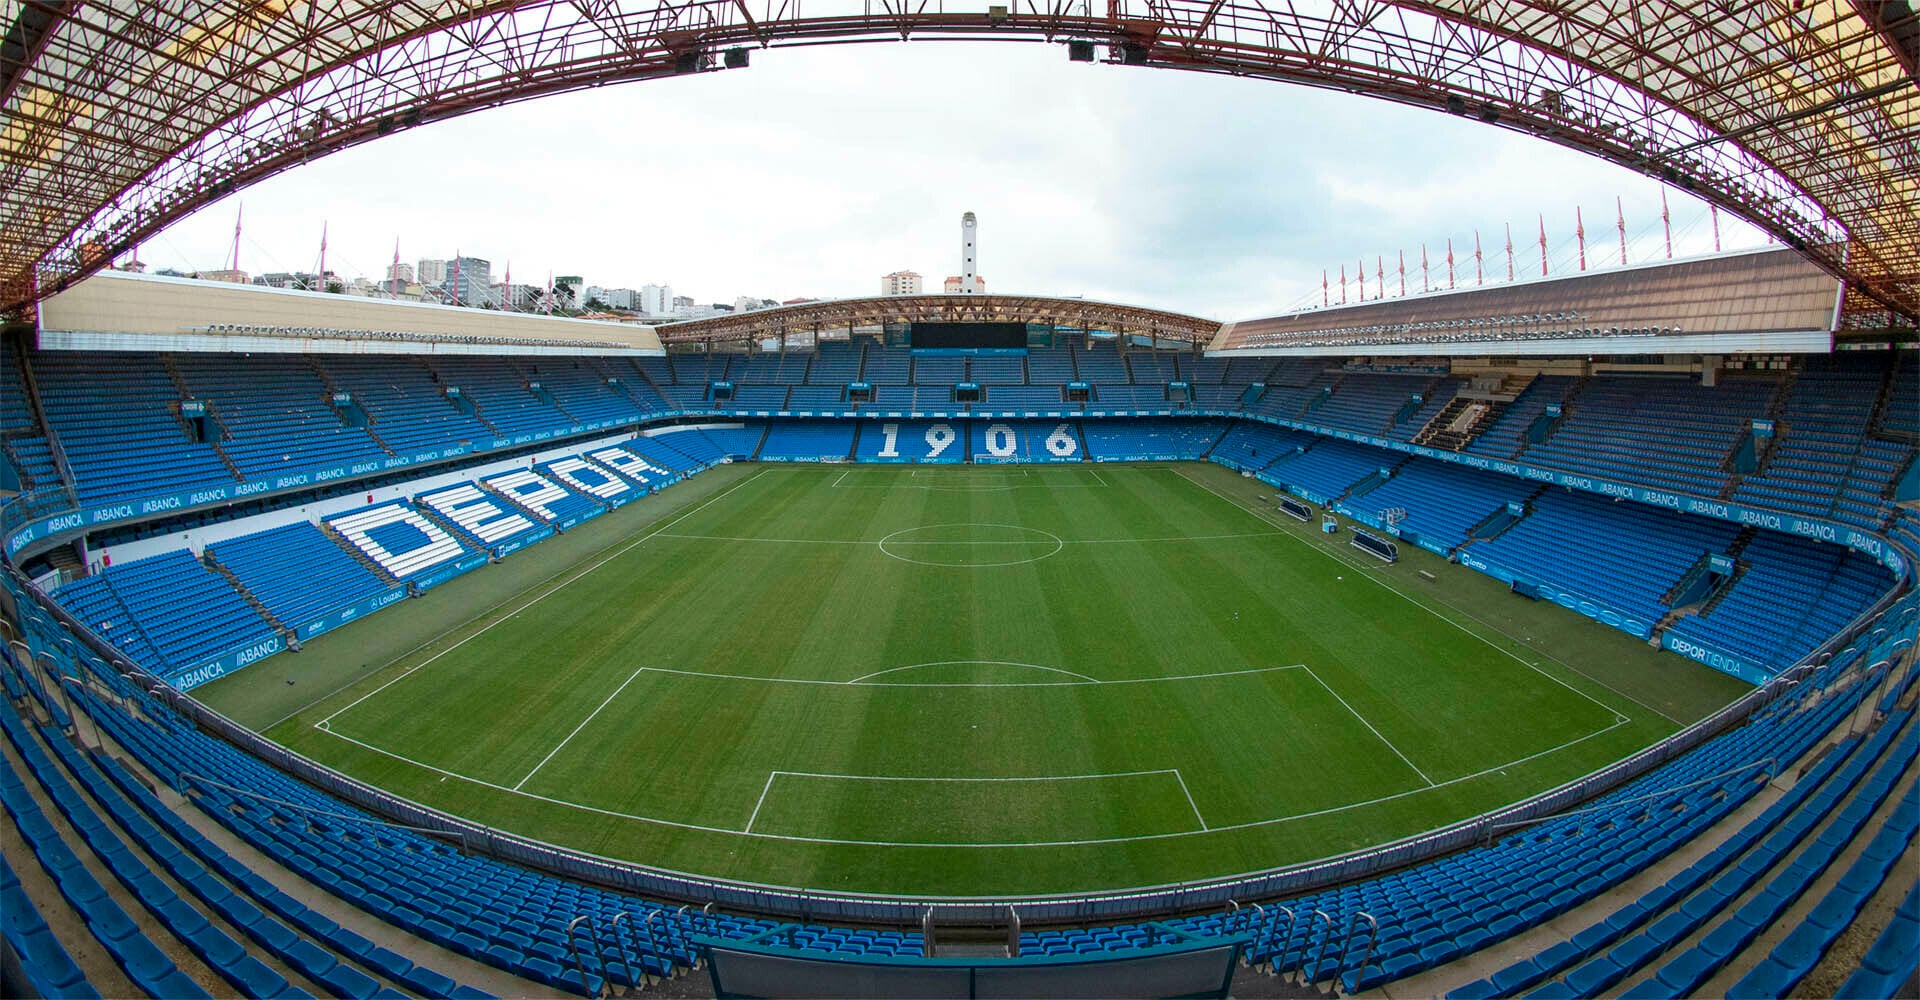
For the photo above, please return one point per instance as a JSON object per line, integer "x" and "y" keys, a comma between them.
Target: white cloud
{"x": 817, "y": 170}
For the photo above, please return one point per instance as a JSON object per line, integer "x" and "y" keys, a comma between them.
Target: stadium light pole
{"x": 1666, "y": 221}
{"x": 1620, "y": 220}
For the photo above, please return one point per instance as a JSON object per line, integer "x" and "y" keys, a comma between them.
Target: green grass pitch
{"x": 967, "y": 681}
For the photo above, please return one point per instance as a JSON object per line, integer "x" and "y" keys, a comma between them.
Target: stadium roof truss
{"x": 811, "y": 318}
{"x": 119, "y": 117}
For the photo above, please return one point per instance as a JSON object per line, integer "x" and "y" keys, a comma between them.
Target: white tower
{"x": 969, "y": 268}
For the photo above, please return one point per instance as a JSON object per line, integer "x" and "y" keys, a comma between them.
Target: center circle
{"x": 975, "y": 546}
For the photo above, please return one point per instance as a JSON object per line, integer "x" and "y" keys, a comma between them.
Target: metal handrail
{"x": 600, "y": 957}
{"x": 1310, "y": 974}
{"x": 1346, "y": 947}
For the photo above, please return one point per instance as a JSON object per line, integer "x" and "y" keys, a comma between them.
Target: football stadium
{"x": 1552, "y": 637}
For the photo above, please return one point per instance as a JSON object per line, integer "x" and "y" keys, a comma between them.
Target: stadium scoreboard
{"x": 968, "y": 336}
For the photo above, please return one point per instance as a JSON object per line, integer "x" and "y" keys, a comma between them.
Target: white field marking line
{"x": 556, "y": 589}
{"x": 983, "y": 489}
{"x": 989, "y": 541}
{"x": 793, "y": 838}
{"x": 973, "y": 684}
{"x": 998, "y": 466}
{"x": 1375, "y": 577}
{"x": 762, "y": 800}
{"x": 582, "y": 725}
{"x": 1190, "y": 802}
{"x": 541, "y": 583}
{"x": 831, "y": 776}
{"x": 1100, "y": 482}
{"x": 1363, "y": 721}
{"x": 947, "y": 663}
{"x": 827, "y": 776}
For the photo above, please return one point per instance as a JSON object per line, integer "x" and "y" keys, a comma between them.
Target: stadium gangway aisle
{"x": 47, "y": 966}
{"x": 296, "y": 572}
{"x": 506, "y": 917}
{"x": 1557, "y": 959}
{"x": 90, "y": 600}
{"x": 1604, "y": 970}
{"x": 1687, "y": 972}
{"x": 143, "y": 962}
{"x": 206, "y": 940}
{"x": 299, "y": 946}
{"x": 1794, "y": 957}
{"x": 1893, "y": 960}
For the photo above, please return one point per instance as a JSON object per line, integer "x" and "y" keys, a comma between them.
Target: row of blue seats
{"x": 283, "y": 421}
{"x": 184, "y": 612}
{"x": 1807, "y": 944}
{"x": 207, "y": 942}
{"x": 298, "y": 937}
{"x": 1626, "y": 556}
{"x": 1150, "y": 438}
{"x": 1441, "y": 501}
{"x": 1789, "y": 598}
{"x": 1686, "y": 972}
{"x": 296, "y": 572}
{"x": 808, "y": 441}
{"x": 44, "y": 962}
{"x": 1328, "y": 469}
{"x": 1610, "y": 949}
{"x": 145, "y": 965}
{"x": 1891, "y": 966}
{"x": 286, "y": 423}
{"x": 117, "y": 418}
{"x": 1370, "y": 403}
{"x": 1666, "y": 431}
{"x": 1443, "y": 910}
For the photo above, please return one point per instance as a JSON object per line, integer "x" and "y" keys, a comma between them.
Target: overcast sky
{"x": 817, "y": 170}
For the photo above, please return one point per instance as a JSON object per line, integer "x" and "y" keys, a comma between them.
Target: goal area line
{"x": 963, "y": 780}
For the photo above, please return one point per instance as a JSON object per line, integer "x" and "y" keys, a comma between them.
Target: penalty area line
{"x": 1363, "y": 721}
{"x": 762, "y": 800}
{"x": 1193, "y": 805}
{"x": 576, "y": 730}
{"x": 794, "y": 838}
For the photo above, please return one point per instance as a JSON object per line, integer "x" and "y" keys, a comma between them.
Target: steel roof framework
{"x": 119, "y": 117}
{"x": 808, "y": 320}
